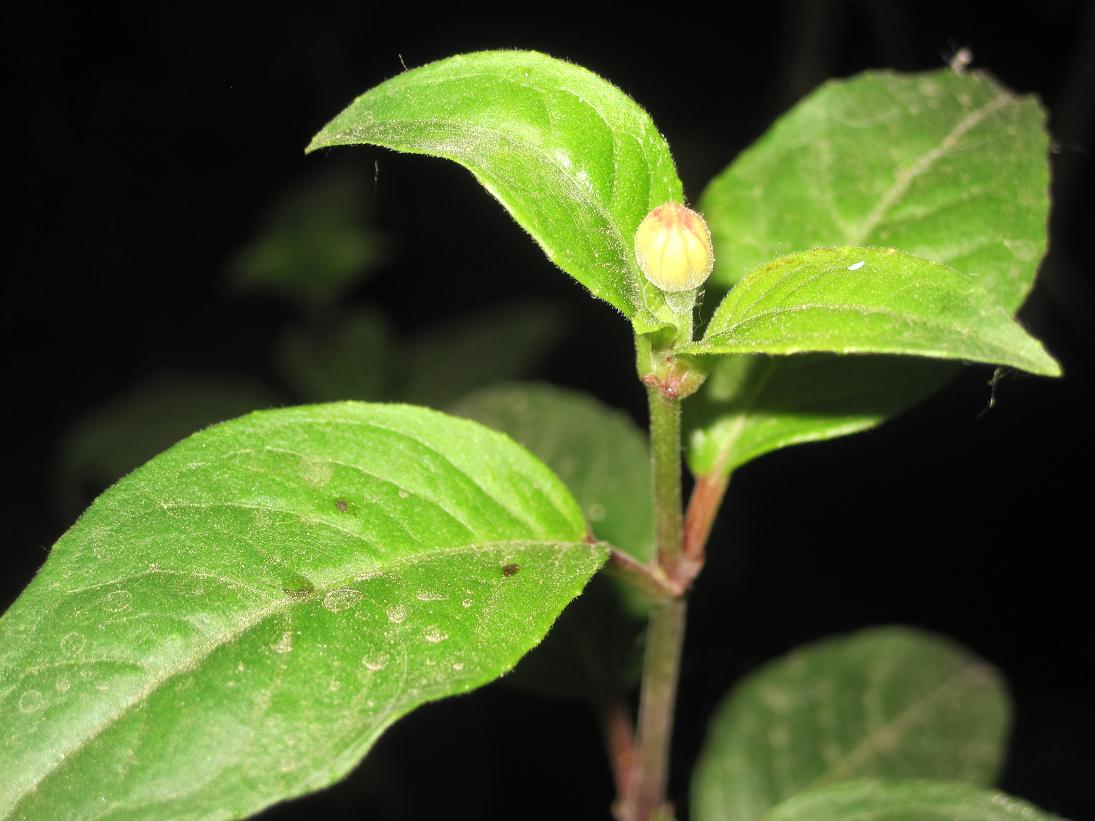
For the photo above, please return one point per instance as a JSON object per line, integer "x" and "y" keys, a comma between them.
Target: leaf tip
{"x": 317, "y": 142}
{"x": 1050, "y": 367}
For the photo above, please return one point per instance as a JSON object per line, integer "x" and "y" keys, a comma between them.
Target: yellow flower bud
{"x": 673, "y": 248}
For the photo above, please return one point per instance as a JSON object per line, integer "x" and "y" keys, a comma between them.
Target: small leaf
{"x": 887, "y": 703}
{"x": 349, "y": 358}
{"x": 949, "y": 167}
{"x": 868, "y": 300}
{"x": 605, "y": 461}
{"x": 238, "y": 621}
{"x": 904, "y": 801}
{"x": 752, "y": 405}
{"x": 572, "y": 158}
{"x": 478, "y": 349}
{"x": 314, "y": 244}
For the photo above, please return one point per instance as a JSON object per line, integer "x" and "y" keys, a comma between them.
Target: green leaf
{"x": 131, "y": 428}
{"x": 572, "y": 158}
{"x": 752, "y": 405}
{"x": 949, "y": 167}
{"x": 314, "y": 244}
{"x": 886, "y": 703}
{"x": 604, "y": 459}
{"x": 240, "y": 619}
{"x": 868, "y": 300}
{"x": 349, "y": 358}
{"x": 479, "y": 349}
{"x": 862, "y": 800}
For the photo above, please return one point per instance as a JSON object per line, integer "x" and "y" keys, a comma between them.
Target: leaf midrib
{"x": 923, "y": 164}
{"x": 725, "y": 335}
{"x": 899, "y": 724}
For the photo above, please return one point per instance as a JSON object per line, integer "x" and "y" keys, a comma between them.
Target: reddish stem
{"x": 703, "y": 506}
{"x": 619, "y": 737}
{"x": 652, "y": 580}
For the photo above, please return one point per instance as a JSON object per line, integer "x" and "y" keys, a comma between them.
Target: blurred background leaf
{"x": 916, "y": 800}
{"x": 445, "y": 362}
{"x": 887, "y": 702}
{"x": 348, "y": 358}
{"x": 315, "y": 243}
{"x": 131, "y": 428}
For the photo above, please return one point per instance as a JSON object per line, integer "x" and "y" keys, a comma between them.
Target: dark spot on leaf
{"x": 342, "y": 505}
{"x": 294, "y": 583}
{"x": 510, "y": 570}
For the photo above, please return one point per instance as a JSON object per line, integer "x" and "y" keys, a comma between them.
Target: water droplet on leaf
{"x": 72, "y": 644}
{"x": 284, "y": 644}
{"x": 342, "y": 599}
{"x": 31, "y": 701}
{"x": 118, "y": 601}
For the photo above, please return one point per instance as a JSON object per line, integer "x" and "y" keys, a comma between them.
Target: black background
{"x": 149, "y": 143}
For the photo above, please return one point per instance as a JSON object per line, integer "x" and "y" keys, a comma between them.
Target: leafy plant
{"x": 237, "y": 621}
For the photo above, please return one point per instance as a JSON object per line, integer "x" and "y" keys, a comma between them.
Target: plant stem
{"x": 703, "y": 505}
{"x": 665, "y": 454}
{"x": 646, "y": 788}
{"x": 619, "y": 741}
{"x": 661, "y": 668}
{"x": 650, "y": 579}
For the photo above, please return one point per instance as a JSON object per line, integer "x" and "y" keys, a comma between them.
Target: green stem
{"x": 665, "y": 455}
{"x": 661, "y": 668}
{"x": 646, "y": 788}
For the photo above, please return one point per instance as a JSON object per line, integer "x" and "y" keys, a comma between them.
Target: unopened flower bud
{"x": 673, "y": 248}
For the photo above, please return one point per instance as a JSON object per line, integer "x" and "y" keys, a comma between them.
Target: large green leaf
{"x": 239, "y": 620}
{"x": 950, "y": 167}
{"x": 868, "y": 300}
{"x": 573, "y": 159}
{"x": 605, "y": 461}
{"x": 871, "y": 800}
{"x": 886, "y": 703}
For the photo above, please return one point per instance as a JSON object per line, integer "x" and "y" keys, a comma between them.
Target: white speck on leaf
{"x": 434, "y": 635}
{"x": 855, "y": 266}
{"x": 373, "y": 665}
